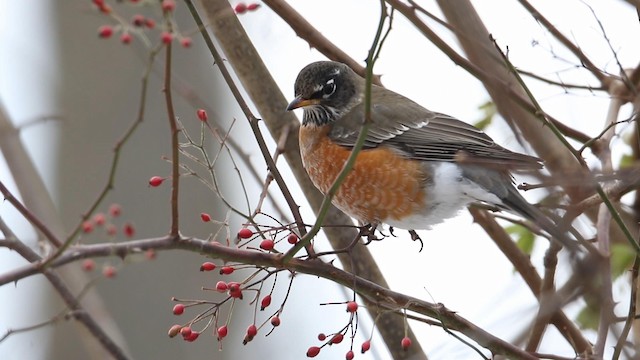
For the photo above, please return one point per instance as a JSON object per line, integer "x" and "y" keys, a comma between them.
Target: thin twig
{"x": 540, "y": 113}
{"x": 603, "y": 227}
{"x": 631, "y": 87}
{"x": 175, "y": 143}
{"x": 561, "y": 84}
{"x": 31, "y": 217}
{"x": 307, "y": 32}
{"x": 589, "y": 65}
{"x": 117, "y": 151}
{"x": 253, "y": 121}
{"x": 631, "y": 314}
{"x": 545, "y": 311}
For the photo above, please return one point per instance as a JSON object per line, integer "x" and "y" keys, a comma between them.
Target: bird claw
{"x": 414, "y": 237}
{"x": 369, "y": 233}
{"x": 391, "y": 231}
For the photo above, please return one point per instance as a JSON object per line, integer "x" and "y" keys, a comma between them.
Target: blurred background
{"x": 73, "y": 95}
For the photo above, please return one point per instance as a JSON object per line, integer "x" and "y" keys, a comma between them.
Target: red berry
{"x": 205, "y": 217}
{"x": 245, "y": 233}
{"x": 292, "y": 239}
{"x": 174, "y": 330}
{"x": 88, "y": 265}
{"x": 156, "y": 181}
{"x": 149, "y": 23}
{"x": 267, "y": 244}
{"x": 137, "y": 20}
{"x": 337, "y": 338}
{"x": 322, "y": 337}
{"x": 350, "y": 355}
{"x": 222, "y": 331}
{"x": 235, "y": 291}
{"x": 150, "y": 254}
{"x": 221, "y": 286}
{"x": 252, "y": 331}
{"x": 109, "y": 271}
{"x": 115, "y": 210}
{"x": 202, "y": 115}
{"x": 105, "y": 31}
{"x": 112, "y": 230}
{"x": 313, "y": 351}
{"x": 234, "y": 286}
{"x": 352, "y": 306}
{"x": 185, "y": 331}
{"x": 366, "y": 346}
{"x": 192, "y": 337}
{"x": 207, "y": 266}
{"x": 87, "y": 227}
{"x": 126, "y": 38}
{"x": 104, "y": 8}
{"x": 186, "y": 42}
{"x": 168, "y": 5}
{"x": 266, "y": 301}
{"x": 240, "y": 8}
{"x": 166, "y": 37}
{"x": 253, "y": 6}
{"x": 405, "y": 343}
{"x": 178, "y": 309}
{"x": 275, "y": 321}
{"x": 129, "y": 230}
{"x": 99, "y": 219}
{"x": 226, "y": 270}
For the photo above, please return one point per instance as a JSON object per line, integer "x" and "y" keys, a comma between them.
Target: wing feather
{"x": 424, "y": 135}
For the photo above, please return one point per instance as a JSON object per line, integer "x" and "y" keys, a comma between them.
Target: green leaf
{"x": 588, "y": 318}
{"x": 489, "y": 111}
{"x": 622, "y": 257}
{"x": 525, "y": 239}
{"x": 626, "y": 161}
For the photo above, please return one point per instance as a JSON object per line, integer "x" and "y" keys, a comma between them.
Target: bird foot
{"x": 368, "y": 231}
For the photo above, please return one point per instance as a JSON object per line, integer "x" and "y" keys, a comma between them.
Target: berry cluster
{"x": 140, "y": 25}
{"x": 107, "y": 221}
{"x": 234, "y": 292}
{"x": 336, "y": 338}
{"x": 242, "y": 8}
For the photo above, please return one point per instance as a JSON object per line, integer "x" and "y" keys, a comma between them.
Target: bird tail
{"x": 554, "y": 226}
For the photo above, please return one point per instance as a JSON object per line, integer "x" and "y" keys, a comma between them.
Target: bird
{"x": 416, "y": 168}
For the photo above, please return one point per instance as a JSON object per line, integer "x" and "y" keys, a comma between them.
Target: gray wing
{"x": 424, "y": 135}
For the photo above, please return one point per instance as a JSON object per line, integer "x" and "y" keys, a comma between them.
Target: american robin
{"x": 417, "y": 167}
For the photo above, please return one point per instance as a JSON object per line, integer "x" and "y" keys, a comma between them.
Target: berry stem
{"x": 175, "y": 145}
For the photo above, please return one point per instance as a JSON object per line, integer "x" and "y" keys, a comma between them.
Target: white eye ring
{"x": 329, "y": 88}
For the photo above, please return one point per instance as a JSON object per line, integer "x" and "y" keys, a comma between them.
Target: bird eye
{"x": 329, "y": 88}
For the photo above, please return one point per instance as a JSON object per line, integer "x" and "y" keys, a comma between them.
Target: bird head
{"x": 325, "y": 90}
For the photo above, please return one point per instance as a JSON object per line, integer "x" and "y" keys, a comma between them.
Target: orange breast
{"x": 382, "y": 185}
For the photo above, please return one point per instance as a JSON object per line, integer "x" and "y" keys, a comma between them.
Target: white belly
{"x": 447, "y": 194}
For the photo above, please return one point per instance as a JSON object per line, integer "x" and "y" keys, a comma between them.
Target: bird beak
{"x": 299, "y": 102}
